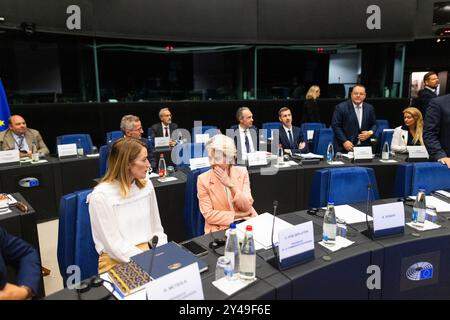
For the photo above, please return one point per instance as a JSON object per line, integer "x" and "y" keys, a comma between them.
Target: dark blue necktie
{"x": 247, "y": 143}
{"x": 291, "y": 140}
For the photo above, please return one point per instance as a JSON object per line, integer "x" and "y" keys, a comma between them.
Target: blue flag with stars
{"x": 4, "y": 109}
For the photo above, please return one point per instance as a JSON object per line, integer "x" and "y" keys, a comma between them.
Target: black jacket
{"x": 436, "y": 133}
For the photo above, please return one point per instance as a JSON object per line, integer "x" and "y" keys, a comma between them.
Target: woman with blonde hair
{"x": 310, "y": 108}
{"x": 123, "y": 208}
{"x": 224, "y": 191}
{"x": 409, "y": 134}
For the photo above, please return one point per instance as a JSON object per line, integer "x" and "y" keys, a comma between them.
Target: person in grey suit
{"x": 165, "y": 127}
{"x": 354, "y": 121}
{"x": 19, "y": 137}
{"x": 436, "y": 133}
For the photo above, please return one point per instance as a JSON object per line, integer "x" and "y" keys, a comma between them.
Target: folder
{"x": 168, "y": 258}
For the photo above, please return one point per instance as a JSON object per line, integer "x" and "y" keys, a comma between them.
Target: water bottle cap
{"x": 248, "y": 228}
{"x": 232, "y": 226}
{"x": 161, "y": 155}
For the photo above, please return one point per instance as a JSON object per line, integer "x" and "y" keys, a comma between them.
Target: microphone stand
{"x": 368, "y": 232}
{"x": 275, "y": 261}
{"x": 152, "y": 247}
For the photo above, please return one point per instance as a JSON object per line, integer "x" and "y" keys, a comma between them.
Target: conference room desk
{"x": 291, "y": 186}
{"x": 56, "y": 177}
{"x": 343, "y": 274}
{"x": 23, "y": 225}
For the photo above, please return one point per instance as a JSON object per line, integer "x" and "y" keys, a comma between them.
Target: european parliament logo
{"x": 420, "y": 271}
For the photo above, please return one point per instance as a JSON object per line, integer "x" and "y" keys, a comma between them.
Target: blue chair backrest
{"x": 112, "y": 136}
{"x": 311, "y": 126}
{"x": 181, "y": 153}
{"x": 269, "y": 126}
{"x": 193, "y": 218}
{"x": 381, "y": 125}
{"x": 86, "y": 256}
{"x": 103, "y": 160}
{"x": 430, "y": 176}
{"x": 211, "y": 130}
{"x": 343, "y": 186}
{"x": 322, "y": 138}
{"x": 386, "y": 136}
{"x": 66, "y": 233}
{"x": 403, "y": 180}
{"x": 84, "y": 138}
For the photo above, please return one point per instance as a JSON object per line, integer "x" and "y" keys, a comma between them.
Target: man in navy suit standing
{"x": 25, "y": 259}
{"x": 436, "y": 134}
{"x": 291, "y": 137}
{"x": 424, "y": 96}
{"x": 354, "y": 121}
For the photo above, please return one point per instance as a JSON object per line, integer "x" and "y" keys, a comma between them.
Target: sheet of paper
{"x": 229, "y": 287}
{"x": 262, "y": 228}
{"x": 428, "y": 225}
{"x": 309, "y": 155}
{"x": 40, "y": 161}
{"x": 340, "y": 243}
{"x": 441, "y": 206}
{"x": 388, "y": 161}
{"x": 5, "y": 211}
{"x": 443, "y": 193}
{"x": 167, "y": 179}
{"x": 350, "y": 215}
{"x": 334, "y": 163}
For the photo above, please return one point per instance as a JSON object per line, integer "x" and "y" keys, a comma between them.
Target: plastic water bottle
{"x": 329, "y": 225}
{"x": 330, "y": 152}
{"x": 419, "y": 209}
{"x": 280, "y": 159}
{"x": 232, "y": 250}
{"x": 80, "y": 150}
{"x": 162, "y": 166}
{"x": 385, "y": 151}
{"x": 180, "y": 138}
{"x": 247, "y": 266}
{"x": 34, "y": 152}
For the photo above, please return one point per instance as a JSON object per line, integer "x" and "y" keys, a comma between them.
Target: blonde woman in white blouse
{"x": 123, "y": 208}
{"x": 410, "y": 134}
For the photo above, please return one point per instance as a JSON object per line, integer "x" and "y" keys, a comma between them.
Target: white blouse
{"x": 119, "y": 224}
{"x": 399, "y": 140}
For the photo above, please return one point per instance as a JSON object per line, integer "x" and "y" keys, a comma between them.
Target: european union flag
{"x": 4, "y": 109}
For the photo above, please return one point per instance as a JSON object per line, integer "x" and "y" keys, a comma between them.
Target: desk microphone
{"x": 275, "y": 205}
{"x": 152, "y": 246}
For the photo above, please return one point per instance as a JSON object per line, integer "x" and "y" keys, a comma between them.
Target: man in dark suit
{"x": 245, "y": 134}
{"x": 25, "y": 259}
{"x": 436, "y": 134}
{"x": 165, "y": 128}
{"x": 291, "y": 137}
{"x": 353, "y": 121}
{"x": 431, "y": 81}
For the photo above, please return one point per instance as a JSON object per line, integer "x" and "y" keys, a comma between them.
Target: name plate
{"x": 197, "y": 163}
{"x": 417, "y": 152}
{"x": 362, "y": 153}
{"x": 388, "y": 219}
{"x": 67, "y": 150}
{"x": 9, "y": 157}
{"x": 162, "y": 142}
{"x": 201, "y": 138}
{"x": 258, "y": 158}
{"x": 183, "y": 284}
{"x": 296, "y": 244}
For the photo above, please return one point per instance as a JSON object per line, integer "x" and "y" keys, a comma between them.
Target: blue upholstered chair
{"x": 430, "y": 176}
{"x": 211, "y": 130}
{"x": 103, "y": 160}
{"x": 386, "y": 136}
{"x": 311, "y": 126}
{"x": 75, "y": 242}
{"x": 403, "y": 180}
{"x": 342, "y": 186}
{"x": 183, "y": 152}
{"x": 269, "y": 126}
{"x": 193, "y": 218}
{"x": 112, "y": 136}
{"x": 381, "y": 125}
{"x": 83, "y": 138}
{"x": 322, "y": 138}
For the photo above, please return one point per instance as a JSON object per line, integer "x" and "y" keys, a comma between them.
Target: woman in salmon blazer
{"x": 224, "y": 191}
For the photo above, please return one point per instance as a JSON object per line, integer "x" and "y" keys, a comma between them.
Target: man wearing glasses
{"x": 353, "y": 122}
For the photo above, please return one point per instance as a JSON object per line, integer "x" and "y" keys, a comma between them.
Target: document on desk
{"x": 232, "y": 286}
{"x": 350, "y": 215}
{"x": 340, "y": 243}
{"x": 441, "y": 206}
{"x": 262, "y": 229}
{"x": 428, "y": 225}
{"x": 309, "y": 155}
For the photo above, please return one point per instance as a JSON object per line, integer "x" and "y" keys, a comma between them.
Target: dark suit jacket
{"x": 23, "y": 258}
{"x": 345, "y": 124}
{"x": 311, "y": 111}
{"x": 150, "y": 155}
{"x": 297, "y": 135}
{"x": 436, "y": 133}
{"x": 237, "y": 140}
{"x": 423, "y": 100}
{"x": 157, "y": 129}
